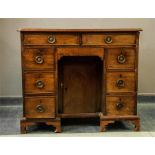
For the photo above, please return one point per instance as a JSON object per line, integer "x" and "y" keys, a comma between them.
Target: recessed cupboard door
{"x": 80, "y": 82}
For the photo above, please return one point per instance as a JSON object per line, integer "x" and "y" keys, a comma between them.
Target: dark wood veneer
{"x": 79, "y": 73}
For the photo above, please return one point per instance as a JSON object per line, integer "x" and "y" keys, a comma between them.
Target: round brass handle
{"x": 39, "y": 59}
{"x": 108, "y": 39}
{"x": 119, "y": 105}
{"x": 40, "y": 108}
{"x": 120, "y": 83}
{"x": 121, "y": 59}
{"x": 39, "y": 84}
{"x": 51, "y": 39}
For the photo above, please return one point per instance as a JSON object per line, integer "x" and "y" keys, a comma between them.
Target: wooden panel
{"x": 47, "y": 84}
{"x": 42, "y": 39}
{"x": 38, "y": 58}
{"x": 120, "y": 105}
{"x": 40, "y": 107}
{"x": 113, "y": 80}
{"x": 120, "y": 58}
{"x": 117, "y": 39}
{"x": 80, "y": 51}
{"x": 82, "y": 84}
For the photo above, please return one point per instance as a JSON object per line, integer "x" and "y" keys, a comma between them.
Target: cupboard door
{"x": 81, "y": 83}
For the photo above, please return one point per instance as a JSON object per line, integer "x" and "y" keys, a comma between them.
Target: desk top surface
{"x": 79, "y": 30}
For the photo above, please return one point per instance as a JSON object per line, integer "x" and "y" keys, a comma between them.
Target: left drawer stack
{"x": 39, "y": 82}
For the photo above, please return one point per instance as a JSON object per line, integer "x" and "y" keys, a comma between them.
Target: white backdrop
{"x": 10, "y": 62}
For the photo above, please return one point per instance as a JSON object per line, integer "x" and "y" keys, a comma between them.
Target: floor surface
{"x": 10, "y": 125}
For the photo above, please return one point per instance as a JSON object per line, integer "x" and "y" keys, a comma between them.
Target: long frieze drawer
{"x": 108, "y": 39}
{"x": 121, "y": 58}
{"x": 35, "y": 83}
{"x": 51, "y": 39}
{"x": 120, "y": 105}
{"x": 120, "y": 82}
{"x": 38, "y": 58}
{"x": 39, "y": 107}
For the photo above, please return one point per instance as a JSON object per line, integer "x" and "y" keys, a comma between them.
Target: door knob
{"x": 61, "y": 85}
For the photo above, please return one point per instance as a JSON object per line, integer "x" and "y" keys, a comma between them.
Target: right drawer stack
{"x": 120, "y": 81}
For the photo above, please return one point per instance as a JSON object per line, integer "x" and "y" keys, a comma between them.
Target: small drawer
{"x": 120, "y": 58}
{"x": 51, "y": 39}
{"x": 38, "y": 58}
{"x": 118, "y": 82}
{"x": 39, "y": 107}
{"x": 108, "y": 39}
{"x": 120, "y": 105}
{"x": 36, "y": 83}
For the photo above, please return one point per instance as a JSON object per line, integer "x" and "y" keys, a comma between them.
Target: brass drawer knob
{"x": 120, "y": 83}
{"x": 108, "y": 39}
{"x": 51, "y": 39}
{"x": 121, "y": 59}
{"x": 40, "y": 84}
{"x": 40, "y": 109}
{"x": 39, "y": 59}
{"x": 119, "y": 105}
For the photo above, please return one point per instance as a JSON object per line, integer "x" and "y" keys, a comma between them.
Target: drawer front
{"x": 120, "y": 105}
{"x": 39, "y": 107}
{"x": 51, "y": 39}
{"x": 38, "y": 58}
{"x": 39, "y": 83}
{"x": 120, "y": 58}
{"x": 108, "y": 39}
{"x": 80, "y": 51}
{"x": 120, "y": 82}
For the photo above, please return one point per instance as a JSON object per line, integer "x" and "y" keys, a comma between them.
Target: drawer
{"x": 51, "y": 39}
{"x": 35, "y": 83}
{"x": 38, "y": 58}
{"x": 120, "y": 58}
{"x": 108, "y": 39}
{"x": 120, "y": 105}
{"x": 39, "y": 107}
{"x": 120, "y": 82}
